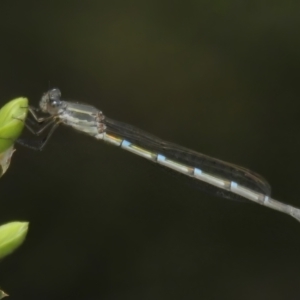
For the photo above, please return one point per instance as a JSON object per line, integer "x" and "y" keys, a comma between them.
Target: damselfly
{"x": 212, "y": 175}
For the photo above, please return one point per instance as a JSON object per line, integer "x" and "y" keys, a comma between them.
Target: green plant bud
{"x": 12, "y": 117}
{"x": 12, "y": 236}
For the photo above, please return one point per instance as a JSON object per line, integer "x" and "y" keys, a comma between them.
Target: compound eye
{"x": 54, "y": 103}
{"x": 55, "y": 94}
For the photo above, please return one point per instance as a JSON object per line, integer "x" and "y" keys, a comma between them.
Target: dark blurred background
{"x": 219, "y": 77}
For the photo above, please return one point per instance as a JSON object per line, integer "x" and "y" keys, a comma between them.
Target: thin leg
{"x": 39, "y": 120}
{"x": 47, "y": 137}
{"x": 38, "y": 132}
{"x": 34, "y": 145}
{"x": 39, "y": 146}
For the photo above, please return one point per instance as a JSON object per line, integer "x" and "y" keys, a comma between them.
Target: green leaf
{"x": 5, "y": 158}
{"x": 12, "y": 117}
{"x": 12, "y": 236}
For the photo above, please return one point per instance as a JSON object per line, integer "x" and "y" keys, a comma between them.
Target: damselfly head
{"x": 50, "y": 101}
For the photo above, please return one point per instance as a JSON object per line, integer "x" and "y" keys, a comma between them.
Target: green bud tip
{"x": 12, "y": 236}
